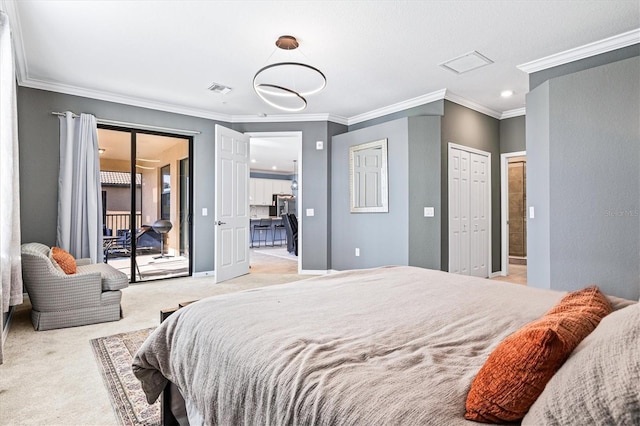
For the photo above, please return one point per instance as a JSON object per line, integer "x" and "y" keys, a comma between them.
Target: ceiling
{"x": 378, "y": 56}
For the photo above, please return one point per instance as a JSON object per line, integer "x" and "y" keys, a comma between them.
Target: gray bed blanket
{"x": 387, "y": 346}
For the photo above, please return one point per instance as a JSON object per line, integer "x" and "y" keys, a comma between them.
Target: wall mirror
{"x": 368, "y": 177}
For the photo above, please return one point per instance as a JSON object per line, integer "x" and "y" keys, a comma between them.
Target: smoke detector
{"x": 220, "y": 88}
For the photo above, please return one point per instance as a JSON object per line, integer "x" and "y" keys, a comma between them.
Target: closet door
{"x": 478, "y": 211}
{"x": 458, "y": 211}
{"x": 469, "y": 211}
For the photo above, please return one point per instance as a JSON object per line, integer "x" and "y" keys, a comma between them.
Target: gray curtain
{"x": 10, "y": 267}
{"x": 79, "y": 191}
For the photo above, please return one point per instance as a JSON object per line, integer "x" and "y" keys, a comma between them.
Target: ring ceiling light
{"x": 284, "y": 85}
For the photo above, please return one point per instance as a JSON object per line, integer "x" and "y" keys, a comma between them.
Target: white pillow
{"x": 600, "y": 382}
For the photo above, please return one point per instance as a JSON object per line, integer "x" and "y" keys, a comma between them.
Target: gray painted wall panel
{"x": 424, "y": 191}
{"x": 588, "y": 125}
{"x": 595, "y": 168}
{"x": 513, "y": 134}
{"x": 538, "y": 187}
{"x": 381, "y": 237}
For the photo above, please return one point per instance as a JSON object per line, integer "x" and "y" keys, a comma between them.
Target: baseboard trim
{"x": 316, "y": 271}
{"x": 497, "y": 274}
{"x": 204, "y": 274}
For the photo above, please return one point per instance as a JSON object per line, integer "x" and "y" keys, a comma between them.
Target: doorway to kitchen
{"x": 147, "y": 202}
{"x": 275, "y": 199}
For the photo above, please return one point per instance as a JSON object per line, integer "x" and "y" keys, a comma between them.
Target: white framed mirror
{"x": 368, "y": 177}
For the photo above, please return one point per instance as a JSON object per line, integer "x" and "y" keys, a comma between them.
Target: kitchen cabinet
{"x": 261, "y": 190}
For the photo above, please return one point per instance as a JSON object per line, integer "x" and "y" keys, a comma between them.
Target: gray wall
{"x": 593, "y": 187}
{"x": 40, "y": 154}
{"x": 464, "y": 126}
{"x": 39, "y": 162}
{"x": 315, "y": 186}
{"x": 403, "y": 235}
{"x": 424, "y": 191}
{"x": 513, "y": 135}
{"x": 383, "y": 238}
{"x": 538, "y": 187}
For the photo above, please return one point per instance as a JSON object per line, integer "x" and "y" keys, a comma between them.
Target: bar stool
{"x": 263, "y": 225}
{"x": 280, "y": 228}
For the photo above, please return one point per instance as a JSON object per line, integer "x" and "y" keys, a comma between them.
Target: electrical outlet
{"x": 357, "y": 251}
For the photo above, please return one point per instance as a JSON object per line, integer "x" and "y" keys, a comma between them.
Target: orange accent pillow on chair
{"x": 518, "y": 369}
{"x": 66, "y": 261}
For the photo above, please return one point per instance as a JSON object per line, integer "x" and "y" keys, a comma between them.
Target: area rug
{"x": 114, "y": 355}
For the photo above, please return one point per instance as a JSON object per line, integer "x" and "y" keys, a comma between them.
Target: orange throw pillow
{"x": 66, "y": 261}
{"x": 518, "y": 369}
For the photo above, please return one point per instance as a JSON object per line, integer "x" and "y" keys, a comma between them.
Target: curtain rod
{"x": 135, "y": 125}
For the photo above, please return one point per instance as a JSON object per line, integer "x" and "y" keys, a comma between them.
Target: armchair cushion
{"x": 112, "y": 279}
{"x": 64, "y": 259}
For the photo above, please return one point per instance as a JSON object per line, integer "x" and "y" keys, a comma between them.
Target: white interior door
{"x": 469, "y": 211}
{"x": 478, "y": 206}
{"x": 232, "y": 204}
{"x": 458, "y": 211}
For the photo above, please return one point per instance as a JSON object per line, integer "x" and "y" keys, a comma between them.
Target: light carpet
{"x": 114, "y": 355}
{"x": 51, "y": 377}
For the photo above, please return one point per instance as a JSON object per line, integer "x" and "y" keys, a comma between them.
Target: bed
{"x": 383, "y": 346}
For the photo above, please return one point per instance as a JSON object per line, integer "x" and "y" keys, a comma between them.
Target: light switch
{"x": 532, "y": 213}
{"x": 310, "y": 212}
{"x": 205, "y": 211}
{"x": 319, "y": 145}
{"x": 429, "y": 212}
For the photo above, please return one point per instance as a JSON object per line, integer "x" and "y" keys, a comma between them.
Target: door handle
{"x": 221, "y": 223}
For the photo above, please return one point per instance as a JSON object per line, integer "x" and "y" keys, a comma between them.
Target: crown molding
{"x": 450, "y": 96}
{"x": 400, "y": 106}
{"x": 126, "y": 100}
{"x": 602, "y": 46}
{"x": 288, "y": 118}
{"x": 513, "y": 113}
{"x": 16, "y": 35}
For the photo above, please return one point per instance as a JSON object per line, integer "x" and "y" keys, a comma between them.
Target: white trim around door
{"x": 504, "y": 208}
{"x": 481, "y": 224}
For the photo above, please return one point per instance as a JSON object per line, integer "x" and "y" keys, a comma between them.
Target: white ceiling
{"x": 375, "y": 54}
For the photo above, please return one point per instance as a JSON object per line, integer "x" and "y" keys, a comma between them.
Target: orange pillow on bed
{"x": 66, "y": 261}
{"x": 518, "y": 369}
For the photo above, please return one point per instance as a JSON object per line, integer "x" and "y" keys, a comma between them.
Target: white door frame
{"x": 488, "y": 155}
{"x": 504, "y": 207}
{"x": 298, "y": 137}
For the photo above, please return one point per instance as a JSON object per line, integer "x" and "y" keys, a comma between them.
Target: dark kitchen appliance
{"x": 282, "y": 204}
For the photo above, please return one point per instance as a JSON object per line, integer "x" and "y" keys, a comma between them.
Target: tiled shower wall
{"x": 517, "y": 208}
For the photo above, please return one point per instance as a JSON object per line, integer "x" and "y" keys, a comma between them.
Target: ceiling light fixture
{"x": 506, "y": 93}
{"x": 284, "y": 85}
{"x": 294, "y": 182}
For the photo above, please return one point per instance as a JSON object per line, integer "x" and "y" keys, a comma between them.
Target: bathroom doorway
{"x": 514, "y": 213}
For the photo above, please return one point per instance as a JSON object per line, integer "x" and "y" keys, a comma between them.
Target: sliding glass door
{"x": 146, "y": 202}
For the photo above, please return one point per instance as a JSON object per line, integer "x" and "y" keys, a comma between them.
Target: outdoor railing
{"x": 116, "y": 221}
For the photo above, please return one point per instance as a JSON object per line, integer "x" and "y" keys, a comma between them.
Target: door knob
{"x": 221, "y": 223}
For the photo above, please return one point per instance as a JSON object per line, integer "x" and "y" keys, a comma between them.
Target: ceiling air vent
{"x": 467, "y": 62}
{"x": 219, "y": 88}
